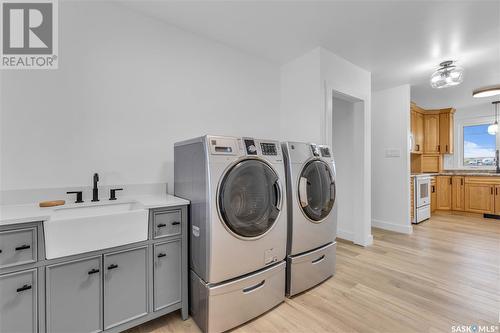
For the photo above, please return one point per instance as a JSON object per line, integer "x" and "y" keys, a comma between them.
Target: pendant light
{"x": 447, "y": 75}
{"x": 486, "y": 91}
{"x": 493, "y": 128}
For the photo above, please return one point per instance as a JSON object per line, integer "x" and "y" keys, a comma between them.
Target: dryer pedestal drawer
{"x": 227, "y": 305}
{"x": 306, "y": 270}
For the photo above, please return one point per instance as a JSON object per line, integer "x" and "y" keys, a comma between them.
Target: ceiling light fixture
{"x": 486, "y": 91}
{"x": 493, "y": 128}
{"x": 447, "y": 75}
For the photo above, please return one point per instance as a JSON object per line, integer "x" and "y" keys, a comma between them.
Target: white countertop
{"x": 15, "y": 214}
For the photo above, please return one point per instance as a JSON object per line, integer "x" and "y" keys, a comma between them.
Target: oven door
{"x": 423, "y": 191}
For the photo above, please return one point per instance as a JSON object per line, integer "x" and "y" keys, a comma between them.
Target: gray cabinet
{"x": 167, "y": 274}
{"x": 18, "y": 302}
{"x": 74, "y": 296}
{"x": 167, "y": 223}
{"x": 18, "y": 247}
{"x": 125, "y": 286}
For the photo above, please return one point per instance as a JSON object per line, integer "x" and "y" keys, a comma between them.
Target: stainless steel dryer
{"x": 312, "y": 217}
{"x": 237, "y": 227}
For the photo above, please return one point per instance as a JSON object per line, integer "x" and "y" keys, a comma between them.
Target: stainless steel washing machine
{"x": 238, "y": 227}
{"x": 312, "y": 215}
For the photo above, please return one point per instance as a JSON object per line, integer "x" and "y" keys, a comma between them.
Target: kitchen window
{"x": 478, "y": 146}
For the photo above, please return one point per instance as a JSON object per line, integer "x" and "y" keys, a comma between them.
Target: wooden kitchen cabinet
{"x": 444, "y": 190}
{"x": 479, "y": 197}
{"x": 431, "y": 133}
{"x": 458, "y": 193}
{"x": 433, "y": 195}
{"x": 417, "y": 131}
{"x": 497, "y": 200}
{"x": 446, "y": 130}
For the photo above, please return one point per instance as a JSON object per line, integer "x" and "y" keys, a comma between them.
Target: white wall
{"x": 127, "y": 88}
{"x": 308, "y": 84}
{"x": 301, "y": 99}
{"x": 391, "y": 174}
{"x": 476, "y": 114}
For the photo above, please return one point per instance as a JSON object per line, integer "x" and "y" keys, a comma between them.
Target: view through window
{"x": 479, "y": 146}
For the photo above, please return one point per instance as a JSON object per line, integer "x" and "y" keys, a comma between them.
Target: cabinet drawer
{"x": 309, "y": 269}
{"x": 18, "y": 302}
{"x": 17, "y": 247}
{"x": 167, "y": 224}
{"x": 167, "y": 274}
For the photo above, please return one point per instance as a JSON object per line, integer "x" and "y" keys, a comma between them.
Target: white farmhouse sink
{"x": 83, "y": 228}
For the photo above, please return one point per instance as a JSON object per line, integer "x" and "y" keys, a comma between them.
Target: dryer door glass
{"x": 316, "y": 190}
{"x": 250, "y": 198}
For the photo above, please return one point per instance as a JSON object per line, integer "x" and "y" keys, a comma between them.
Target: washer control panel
{"x": 325, "y": 151}
{"x": 268, "y": 149}
{"x": 250, "y": 146}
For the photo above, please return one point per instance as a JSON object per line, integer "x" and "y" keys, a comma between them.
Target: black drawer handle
{"x": 161, "y": 225}
{"x": 23, "y": 288}
{"x": 22, "y": 247}
{"x": 252, "y": 288}
{"x": 112, "y": 266}
{"x": 176, "y": 223}
{"x": 160, "y": 255}
{"x": 93, "y": 271}
{"x": 0, "y": 251}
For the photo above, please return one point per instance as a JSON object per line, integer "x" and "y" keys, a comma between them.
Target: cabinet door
{"x": 18, "y": 302}
{"x": 443, "y": 186}
{"x": 458, "y": 192}
{"x": 479, "y": 198}
{"x": 497, "y": 199}
{"x": 431, "y": 133}
{"x": 419, "y": 132}
{"x": 433, "y": 196}
{"x": 74, "y": 296}
{"x": 167, "y": 274}
{"x": 446, "y": 123}
{"x": 125, "y": 286}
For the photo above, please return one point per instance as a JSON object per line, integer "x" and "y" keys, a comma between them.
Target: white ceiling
{"x": 399, "y": 42}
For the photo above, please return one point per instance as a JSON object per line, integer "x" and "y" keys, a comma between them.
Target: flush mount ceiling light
{"x": 493, "y": 128}
{"x": 447, "y": 75}
{"x": 487, "y": 91}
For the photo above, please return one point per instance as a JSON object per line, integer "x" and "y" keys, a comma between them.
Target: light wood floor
{"x": 446, "y": 273}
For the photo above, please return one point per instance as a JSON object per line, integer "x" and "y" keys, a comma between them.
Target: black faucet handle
{"x": 79, "y": 196}
{"x": 96, "y": 177}
{"x": 112, "y": 193}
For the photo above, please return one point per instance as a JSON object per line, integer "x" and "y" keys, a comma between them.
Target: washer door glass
{"x": 249, "y": 198}
{"x": 316, "y": 190}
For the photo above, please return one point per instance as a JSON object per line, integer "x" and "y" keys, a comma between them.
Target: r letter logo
{"x": 29, "y": 34}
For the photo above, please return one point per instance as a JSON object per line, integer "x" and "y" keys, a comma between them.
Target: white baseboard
{"x": 404, "y": 229}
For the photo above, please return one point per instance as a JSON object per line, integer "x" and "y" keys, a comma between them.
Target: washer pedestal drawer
{"x": 306, "y": 270}
{"x": 217, "y": 308}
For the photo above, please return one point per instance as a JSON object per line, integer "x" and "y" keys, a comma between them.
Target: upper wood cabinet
{"x": 444, "y": 190}
{"x": 457, "y": 193}
{"x": 446, "y": 130}
{"x": 431, "y": 133}
{"x": 417, "y": 132}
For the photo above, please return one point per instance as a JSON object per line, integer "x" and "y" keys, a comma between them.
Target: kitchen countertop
{"x": 459, "y": 173}
{"x": 15, "y": 214}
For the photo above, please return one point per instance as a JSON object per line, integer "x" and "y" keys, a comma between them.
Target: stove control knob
{"x": 252, "y": 149}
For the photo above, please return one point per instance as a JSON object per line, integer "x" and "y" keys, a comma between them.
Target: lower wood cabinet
{"x": 433, "y": 195}
{"x": 458, "y": 193}
{"x": 167, "y": 274}
{"x": 125, "y": 286}
{"x": 74, "y": 296}
{"x": 18, "y": 302}
{"x": 479, "y": 198}
{"x": 497, "y": 200}
{"x": 444, "y": 188}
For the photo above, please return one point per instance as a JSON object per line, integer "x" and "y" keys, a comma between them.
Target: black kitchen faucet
{"x": 95, "y": 190}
